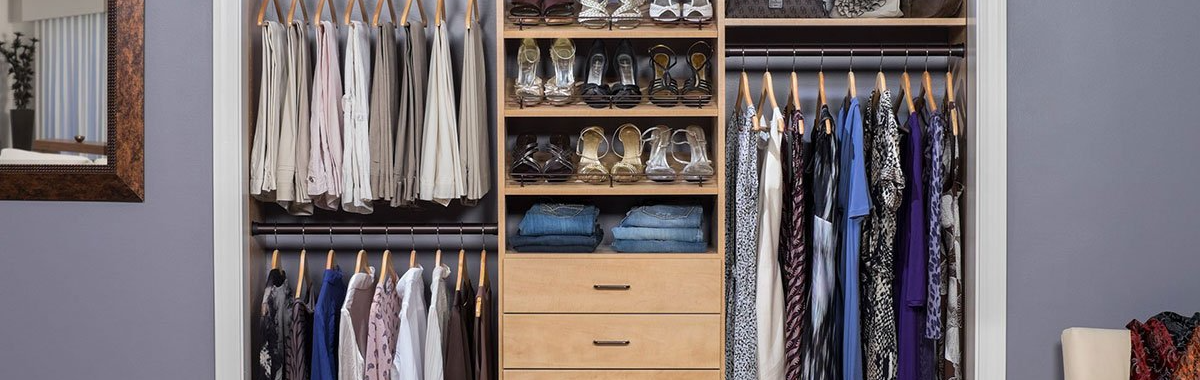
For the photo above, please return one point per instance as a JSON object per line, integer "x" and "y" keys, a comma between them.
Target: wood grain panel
{"x": 579, "y": 341}
{"x": 587, "y": 285}
{"x": 612, "y": 375}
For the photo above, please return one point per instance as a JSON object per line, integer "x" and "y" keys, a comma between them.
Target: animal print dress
{"x": 887, "y": 185}
{"x": 744, "y": 358}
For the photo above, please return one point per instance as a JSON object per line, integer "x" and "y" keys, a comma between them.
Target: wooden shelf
{"x": 579, "y": 31}
{"x": 954, "y": 22}
{"x": 641, "y": 188}
{"x": 606, "y": 252}
{"x": 582, "y": 110}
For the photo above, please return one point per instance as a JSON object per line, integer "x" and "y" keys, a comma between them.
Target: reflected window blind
{"x": 70, "y": 93}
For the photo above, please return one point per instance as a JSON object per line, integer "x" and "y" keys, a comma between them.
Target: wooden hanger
{"x": 275, "y": 259}
{"x": 300, "y": 275}
{"x": 360, "y": 263}
{"x": 906, "y": 84}
{"x": 329, "y": 260}
{"x": 420, "y": 11}
{"x": 927, "y": 85}
{"x": 291, "y": 16}
{"x": 386, "y": 267}
{"x": 768, "y": 94}
{"x": 462, "y": 264}
{"x": 439, "y": 13}
{"x": 362, "y": 11}
{"x": 472, "y": 12}
{"x": 950, "y": 102}
{"x": 482, "y": 266}
{"x": 379, "y": 11}
{"x": 743, "y": 91}
{"x": 320, "y": 7}
{"x": 262, "y": 12}
{"x": 853, "y": 83}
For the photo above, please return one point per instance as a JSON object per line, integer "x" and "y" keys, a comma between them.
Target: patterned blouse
{"x": 879, "y": 257}
{"x": 744, "y": 358}
{"x": 383, "y": 323}
{"x": 793, "y": 254}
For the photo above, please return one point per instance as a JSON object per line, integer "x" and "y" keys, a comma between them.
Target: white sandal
{"x": 698, "y": 11}
{"x": 593, "y": 13}
{"x": 665, "y": 11}
{"x": 629, "y": 14}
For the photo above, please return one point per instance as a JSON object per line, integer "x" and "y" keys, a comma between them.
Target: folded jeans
{"x": 555, "y": 248}
{"x": 658, "y": 246}
{"x": 552, "y": 240}
{"x": 689, "y": 235}
{"x": 664, "y": 216}
{"x": 559, "y": 219}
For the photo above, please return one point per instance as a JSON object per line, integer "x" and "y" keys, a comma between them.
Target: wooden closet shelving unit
{"x": 581, "y": 110}
{"x": 846, "y": 22}
{"x": 576, "y": 31}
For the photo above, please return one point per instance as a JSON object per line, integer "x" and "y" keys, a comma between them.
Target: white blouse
{"x": 410, "y": 341}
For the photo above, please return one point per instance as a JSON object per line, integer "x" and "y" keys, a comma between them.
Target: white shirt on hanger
{"x": 439, "y": 313}
{"x": 356, "y": 107}
{"x": 769, "y": 294}
{"x": 359, "y": 292}
{"x": 410, "y": 341}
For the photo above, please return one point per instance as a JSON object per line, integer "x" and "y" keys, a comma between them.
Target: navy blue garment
{"x": 325, "y": 326}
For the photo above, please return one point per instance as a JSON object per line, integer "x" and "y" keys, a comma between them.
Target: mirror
{"x": 71, "y": 100}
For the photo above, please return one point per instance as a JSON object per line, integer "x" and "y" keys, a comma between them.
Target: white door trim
{"x": 230, "y": 233}
{"x": 231, "y": 236}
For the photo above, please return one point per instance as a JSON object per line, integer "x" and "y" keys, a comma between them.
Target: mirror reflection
{"x": 53, "y": 94}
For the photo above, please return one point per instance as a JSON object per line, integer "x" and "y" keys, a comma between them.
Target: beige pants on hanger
{"x": 384, "y": 108}
{"x": 473, "y": 117}
{"x": 441, "y": 166}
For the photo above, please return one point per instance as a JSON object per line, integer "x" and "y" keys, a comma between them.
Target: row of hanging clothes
{"x": 377, "y": 325}
{"x": 342, "y": 130}
{"x": 844, "y": 254}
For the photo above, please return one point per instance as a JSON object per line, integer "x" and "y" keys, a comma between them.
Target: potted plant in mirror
{"x": 19, "y": 54}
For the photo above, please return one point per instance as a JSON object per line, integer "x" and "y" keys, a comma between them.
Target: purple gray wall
{"x": 1102, "y": 169}
{"x": 124, "y": 291}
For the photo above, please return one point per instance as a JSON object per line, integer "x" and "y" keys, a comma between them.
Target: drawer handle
{"x": 611, "y": 342}
{"x": 610, "y": 287}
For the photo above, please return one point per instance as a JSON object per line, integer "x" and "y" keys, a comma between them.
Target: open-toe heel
{"x": 525, "y": 167}
{"x": 657, "y": 167}
{"x": 665, "y": 11}
{"x": 698, "y": 167}
{"x": 664, "y": 91}
{"x": 529, "y": 84}
{"x": 629, "y": 168}
{"x": 628, "y": 15}
{"x": 595, "y": 92}
{"x": 698, "y": 11}
{"x": 626, "y": 93}
{"x": 593, "y": 145}
{"x": 593, "y": 13}
{"x": 525, "y": 12}
{"x": 561, "y": 164}
{"x": 559, "y": 12}
{"x": 697, "y": 90}
{"x": 560, "y": 87}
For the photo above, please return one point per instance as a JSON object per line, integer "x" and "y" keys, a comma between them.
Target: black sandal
{"x": 697, "y": 90}
{"x": 664, "y": 91}
{"x": 625, "y": 92}
{"x": 594, "y": 91}
{"x": 561, "y": 164}
{"x": 525, "y": 12}
{"x": 525, "y": 168}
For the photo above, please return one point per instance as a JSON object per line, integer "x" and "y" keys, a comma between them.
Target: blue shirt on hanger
{"x": 855, "y": 202}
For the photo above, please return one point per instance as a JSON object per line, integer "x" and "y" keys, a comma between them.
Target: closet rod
{"x": 372, "y": 229}
{"x": 783, "y": 50}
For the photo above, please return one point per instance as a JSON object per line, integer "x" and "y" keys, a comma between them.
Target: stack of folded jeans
{"x": 558, "y": 228}
{"x": 661, "y": 229}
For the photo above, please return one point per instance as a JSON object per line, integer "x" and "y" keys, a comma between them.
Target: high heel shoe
{"x": 629, "y": 168}
{"x": 529, "y": 83}
{"x": 665, "y": 11}
{"x": 594, "y": 13}
{"x": 595, "y": 92}
{"x": 664, "y": 91}
{"x": 698, "y": 167}
{"x": 560, "y": 88}
{"x": 628, "y": 15}
{"x": 697, "y": 10}
{"x": 657, "y": 167}
{"x": 525, "y": 12}
{"x": 697, "y": 90}
{"x": 625, "y": 93}
{"x": 560, "y": 12}
{"x": 525, "y": 167}
{"x": 561, "y": 164}
{"x": 591, "y": 140}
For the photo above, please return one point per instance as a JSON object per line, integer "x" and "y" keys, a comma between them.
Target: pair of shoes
{"x": 625, "y": 93}
{"x": 665, "y": 91}
{"x": 673, "y": 11}
{"x": 531, "y": 163}
{"x": 559, "y": 89}
{"x": 594, "y": 14}
{"x": 534, "y": 12}
{"x": 630, "y": 167}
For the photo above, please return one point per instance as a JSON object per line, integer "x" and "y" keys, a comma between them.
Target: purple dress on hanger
{"x": 911, "y": 251}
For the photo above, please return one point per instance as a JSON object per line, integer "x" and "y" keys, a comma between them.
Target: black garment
{"x": 485, "y": 335}
{"x": 274, "y": 323}
{"x": 460, "y": 341}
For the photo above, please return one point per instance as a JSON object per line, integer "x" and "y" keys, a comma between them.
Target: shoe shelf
{"x": 704, "y": 31}
{"x": 606, "y": 252}
{"x": 582, "y": 110}
{"x": 954, "y": 22}
{"x": 617, "y": 189}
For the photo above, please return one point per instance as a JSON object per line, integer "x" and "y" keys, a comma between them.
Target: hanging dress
{"x": 887, "y": 186}
{"x": 292, "y": 174}
{"x": 356, "y": 155}
{"x": 299, "y": 339}
{"x": 854, "y": 201}
{"x": 731, "y": 249}
{"x": 745, "y": 324}
{"x": 486, "y": 367}
{"x": 473, "y": 116}
{"x": 460, "y": 346}
{"x": 384, "y": 107}
{"x": 382, "y": 328}
{"x": 411, "y": 121}
{"x": 274, "y": 323}
{"x": 441, "y": 166}
{"x": 911, "y": 250}
{"x": 769, "y": 309}
{"x": 820, "y": 360}
{"x": 264, "y": 151}
{"x": 325, "y": 326}
{"x": 794, "y": 258}
{"x": 435, "y": 333}
{"x": 325, "y": 125}
{"x": 952, "y": 254}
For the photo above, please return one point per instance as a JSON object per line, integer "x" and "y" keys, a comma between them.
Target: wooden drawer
{"x": 636, "y": 285}
{"x": 590, "y": 341}
{"x": 612, "y": 375}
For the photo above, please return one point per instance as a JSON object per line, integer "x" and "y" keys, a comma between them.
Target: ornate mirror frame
{"x": 122, "y": 179}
